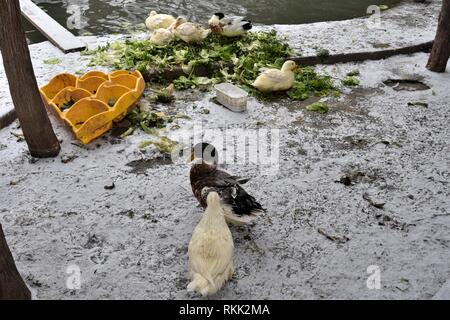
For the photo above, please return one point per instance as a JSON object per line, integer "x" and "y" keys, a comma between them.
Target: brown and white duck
{"x": 240, "y": 208}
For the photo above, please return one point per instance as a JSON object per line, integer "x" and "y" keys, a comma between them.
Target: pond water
{"x": 97, "y": 17}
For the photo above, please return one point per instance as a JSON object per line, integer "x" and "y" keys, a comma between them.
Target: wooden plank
{"x": 52, "y": 30}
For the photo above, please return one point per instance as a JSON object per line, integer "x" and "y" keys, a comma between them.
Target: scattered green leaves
{"x": 351, "y": 82}
{"x": 202, "y": 83}
{"x": 148, "y": 120}
{"x": 318, "y": 107}
{"x": 308, "y": 82}
{"x": 52, "y": 61}
{"x": 163, "y": 144}
{"x": 323, "y": 53}
{"x": 165, "y": 95}
{"x": 353, "y": 73}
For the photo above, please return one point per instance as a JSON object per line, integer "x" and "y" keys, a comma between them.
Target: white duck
{"x": 210, "y": 250}
{"x": 158, "y": 21}
{"x": 161, "y": 37}
{"x": 276, "y": 80}
{"x": 190, "y": 32}
{"x": 229, "y": 26}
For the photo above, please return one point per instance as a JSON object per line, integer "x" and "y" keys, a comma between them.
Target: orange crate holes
{"x": 58, "y": 83}
{"x": 67, "y": 97}
{"x": 83, "y": 110}
{"x": 110, "y": 93}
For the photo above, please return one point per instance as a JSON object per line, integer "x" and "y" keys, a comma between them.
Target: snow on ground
{"x": 319, "y": 235}
{"x": 395, "y": 28}
{"x": 407, "y": 24}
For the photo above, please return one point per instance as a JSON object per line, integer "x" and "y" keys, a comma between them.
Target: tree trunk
{"x": 441, "y": 49}
{"x": 28, "y": 103}
{"x": 12, "y": 286}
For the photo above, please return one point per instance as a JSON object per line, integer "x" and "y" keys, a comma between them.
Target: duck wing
{"x": 275, "y": 75}
{"x": 231, "y": 193}
{"x": 235, "y": 25}
{"x": 234, "y": 20}
{"x": 186, "y": 29}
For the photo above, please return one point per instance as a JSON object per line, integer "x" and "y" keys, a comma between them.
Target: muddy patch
{"x": 386, "y": 221}
{"x": 335, "y": 238}
{"x": 354, "y": 142}
{"x": 120, "y": 128}
{"x": 300, "y": 105}
{"x": 418, "y": 104}
{"x": 379, "y": 45}
{"x": 141, "y": 166}
{"x": 406, "y": 85}
{"x": 355, "y": 101}
{"x": 353, "y": 177}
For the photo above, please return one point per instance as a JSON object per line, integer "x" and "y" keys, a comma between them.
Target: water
{"x": 98, "y": 17}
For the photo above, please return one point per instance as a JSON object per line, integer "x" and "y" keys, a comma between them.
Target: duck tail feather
{"x": 241, "y": 180}
{"x": 202, "y": 284}
{"x": 247, "y": 25}
{"x": 239, "y": 220}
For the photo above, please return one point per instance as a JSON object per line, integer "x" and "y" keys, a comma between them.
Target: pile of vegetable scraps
{"x": 238, "y": 61}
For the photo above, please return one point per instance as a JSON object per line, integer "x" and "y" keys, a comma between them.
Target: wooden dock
{"x": 52, "y": 30}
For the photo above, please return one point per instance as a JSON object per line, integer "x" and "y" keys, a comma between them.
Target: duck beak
{"x": 297, "y": 69}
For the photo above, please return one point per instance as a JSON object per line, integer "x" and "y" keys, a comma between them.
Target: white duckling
{"x": 210, "y": 250}
{"x": 190, "y": 32}
{"x": 276, "y": 80}
{"x": 162, "y": 37}
{"x": 158, "y": 20}
{"x": 229, "y": 26}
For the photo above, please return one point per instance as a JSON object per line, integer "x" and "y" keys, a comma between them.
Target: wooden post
{"x": 30, "y": 109}
{"x": 441, "y": 49}
{"x": 12, "y": 286}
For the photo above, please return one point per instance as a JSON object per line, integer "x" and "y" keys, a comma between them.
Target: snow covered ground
{"x": 325, "y": 224}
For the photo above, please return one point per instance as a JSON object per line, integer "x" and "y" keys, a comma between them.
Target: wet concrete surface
{"x": 366, "y": 184}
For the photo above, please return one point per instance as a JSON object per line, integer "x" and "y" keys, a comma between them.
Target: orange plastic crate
{"x": 91, "y": 103}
